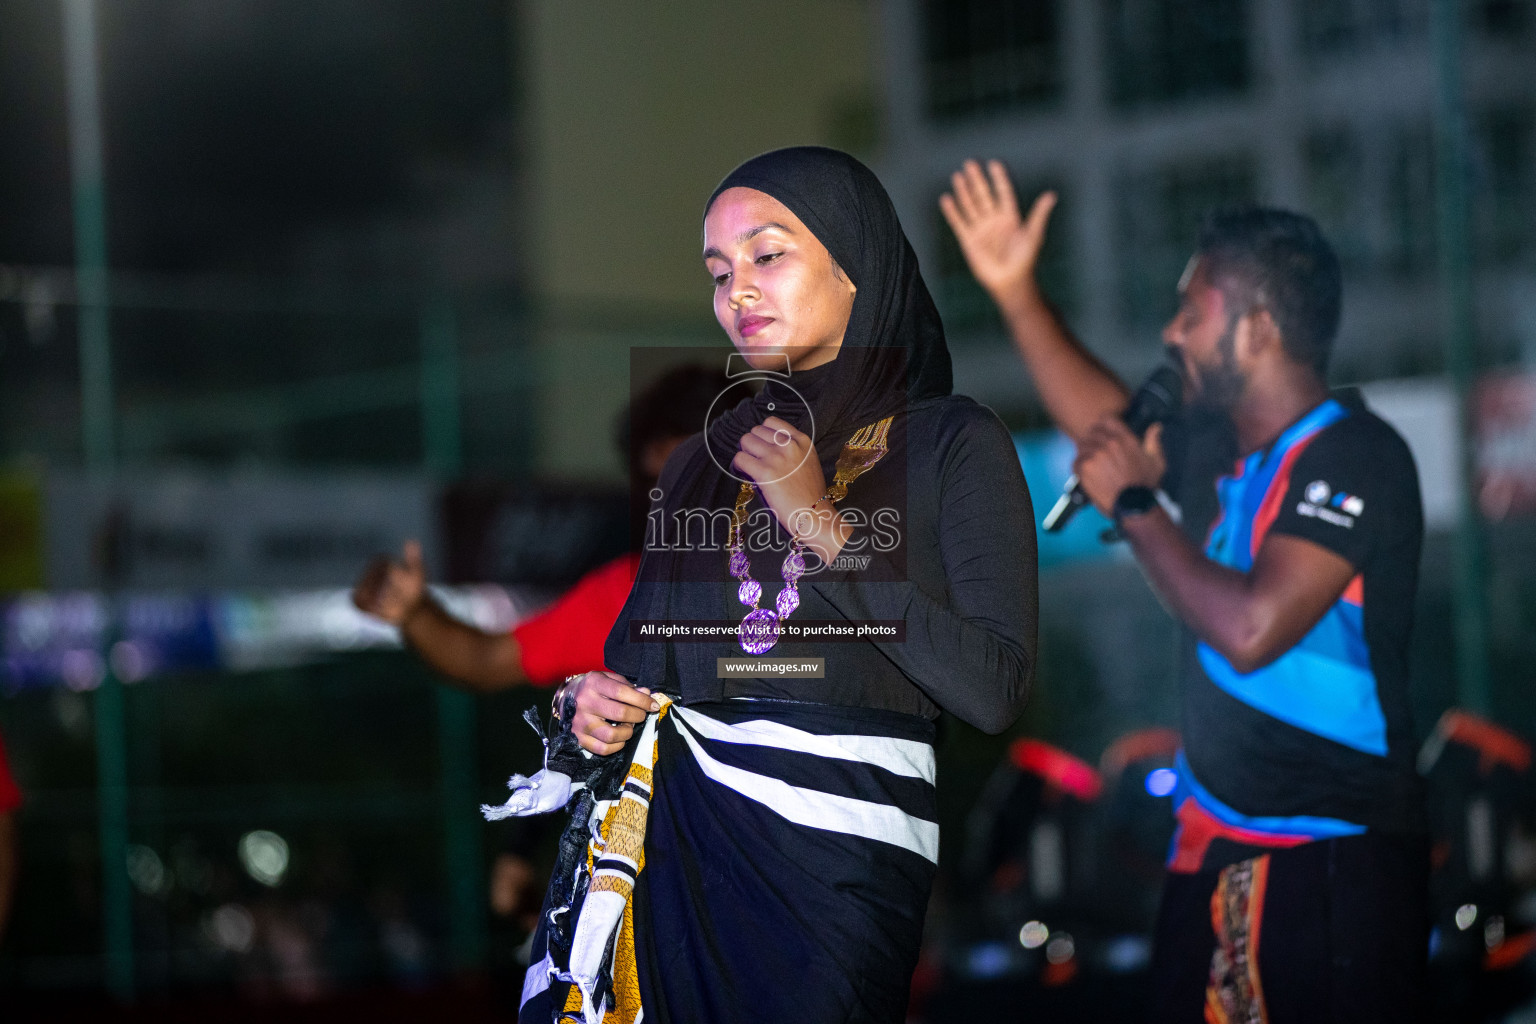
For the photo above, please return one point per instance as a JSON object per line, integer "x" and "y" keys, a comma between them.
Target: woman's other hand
{"x": 1001, "y": 248}
{"x": 608, "y": 708}
{"x": 783, "y": 462}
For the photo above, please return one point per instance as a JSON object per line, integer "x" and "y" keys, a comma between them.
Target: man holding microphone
{"x": 1299, "y": 811}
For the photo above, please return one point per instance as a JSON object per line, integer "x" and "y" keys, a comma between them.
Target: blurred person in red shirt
{"x": 567, "y": 637}
{"x": 10, "y": 800}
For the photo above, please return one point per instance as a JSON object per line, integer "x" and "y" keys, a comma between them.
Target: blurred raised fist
{"x": 391, "y": 590}
{"x": 1001, "y": 247}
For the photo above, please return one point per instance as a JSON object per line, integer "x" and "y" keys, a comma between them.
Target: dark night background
{"x": 239, "y": 132}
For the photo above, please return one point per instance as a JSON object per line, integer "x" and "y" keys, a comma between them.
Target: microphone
{"x": 1159, "y": 397}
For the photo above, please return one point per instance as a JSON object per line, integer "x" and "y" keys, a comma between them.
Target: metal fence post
{"x": 462, "y": 862}
{"x": 1470, "y": 612}
{"x": 89, "y": 200}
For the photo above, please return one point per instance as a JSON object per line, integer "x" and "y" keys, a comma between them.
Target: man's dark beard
{"x": 1222, "y": 385}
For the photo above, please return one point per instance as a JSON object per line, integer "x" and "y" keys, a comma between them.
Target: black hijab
{"x": 893, "y": 355}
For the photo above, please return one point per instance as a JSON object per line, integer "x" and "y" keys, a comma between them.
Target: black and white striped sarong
{"x": 789, "y": 856}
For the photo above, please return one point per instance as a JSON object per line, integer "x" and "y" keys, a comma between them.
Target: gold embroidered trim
{"x": 1234, "y": 994}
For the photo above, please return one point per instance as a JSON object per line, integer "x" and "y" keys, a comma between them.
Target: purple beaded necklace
{"x": 759, "y": 629}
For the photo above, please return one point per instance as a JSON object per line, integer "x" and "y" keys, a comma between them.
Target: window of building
{"x": 1506, "y": 19}
{"x": 1337, "y": 195}
{"x": 1334, "y": 27}
{"x": 1157, "y": 221}
{"x": 987, "y": 55}
{"x": 966, "y": 307}
{"x": 1410, "y": 249}
{"x": 1504, "y": 184}
{"x": 1162, "y": 50}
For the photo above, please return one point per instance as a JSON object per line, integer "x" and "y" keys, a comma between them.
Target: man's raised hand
{"x": 1001, "y": 248}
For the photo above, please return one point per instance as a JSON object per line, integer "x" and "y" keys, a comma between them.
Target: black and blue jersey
{"x": 1317, "y": 743}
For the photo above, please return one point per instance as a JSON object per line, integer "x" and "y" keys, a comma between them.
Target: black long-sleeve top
{"x": 962, "y": 577}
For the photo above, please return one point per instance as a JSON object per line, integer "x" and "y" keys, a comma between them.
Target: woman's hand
{"x": 607, "y": 710}
{"x": 1000, "y": 247}
{"x": 783, "y": 463}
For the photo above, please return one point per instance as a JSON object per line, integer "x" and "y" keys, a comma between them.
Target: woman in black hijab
{"x": 769, "y": 855}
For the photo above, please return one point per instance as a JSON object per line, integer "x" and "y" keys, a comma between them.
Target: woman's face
{"x": 777, "y": 289}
